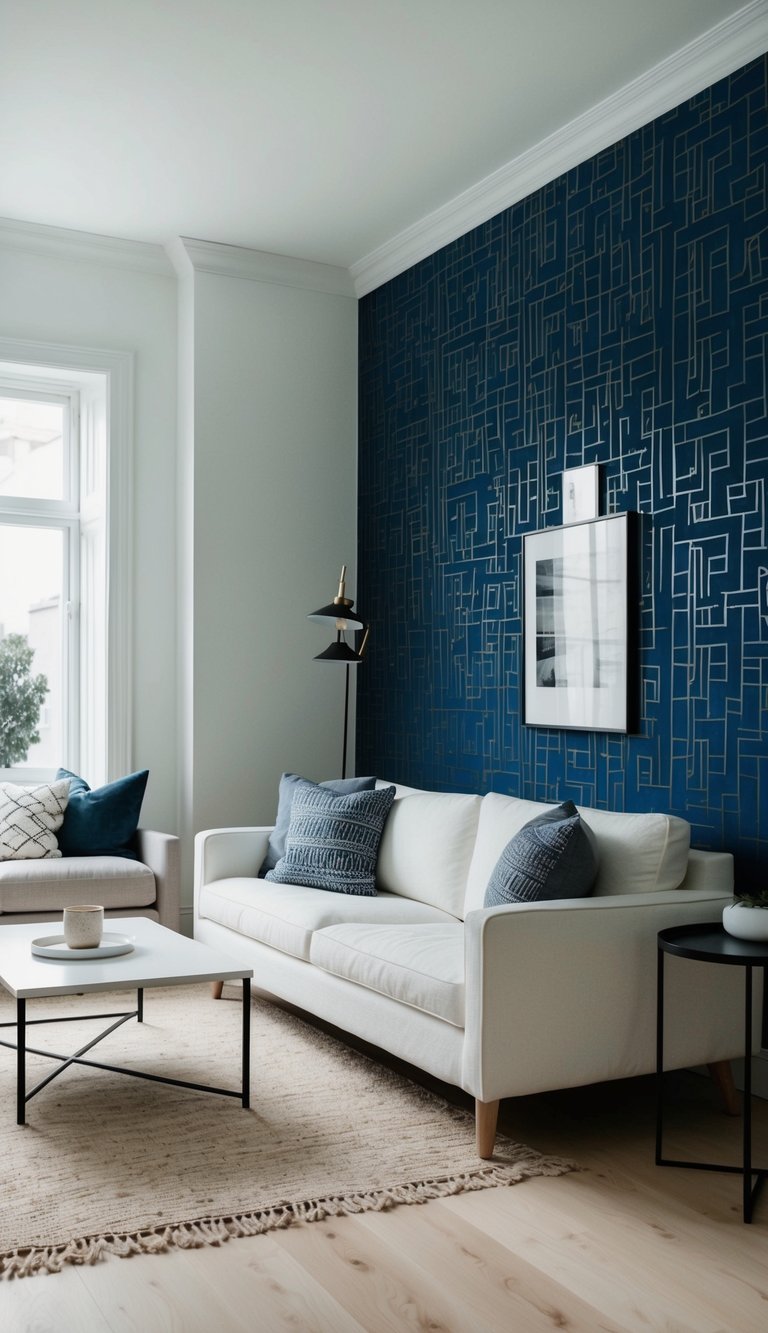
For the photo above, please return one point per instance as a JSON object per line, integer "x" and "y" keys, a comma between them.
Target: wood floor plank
{"x": 503, "y": 1289}
{"x": 674, "y": 1267}
{"x": 50, "y": 1303}
{"x": 158, "y": 1293}
{"x": 383, "y": 1290}
{"x": 575, "y": 1258}
{"x": 257, "y": 1274}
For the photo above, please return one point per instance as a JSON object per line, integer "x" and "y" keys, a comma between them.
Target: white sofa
{"x": 39, "y": 890}
{"x": 502, "y": 1001}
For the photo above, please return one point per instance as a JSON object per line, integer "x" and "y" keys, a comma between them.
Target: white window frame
{"x": 99, "y": 377}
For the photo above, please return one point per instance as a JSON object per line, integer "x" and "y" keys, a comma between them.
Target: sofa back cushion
{"x": 637, "y": 853}
{"x": 427, "y": 846}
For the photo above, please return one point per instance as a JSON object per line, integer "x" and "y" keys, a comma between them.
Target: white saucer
{"x": 53, "y": 946}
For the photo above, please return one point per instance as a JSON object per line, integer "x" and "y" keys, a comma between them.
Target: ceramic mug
{"x": 83, "y": 926}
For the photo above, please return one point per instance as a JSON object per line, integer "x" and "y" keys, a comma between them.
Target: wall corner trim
{"x": 235, "y": 261}
{"x": 62, "y": 243}
{"x": 716, "y": 53}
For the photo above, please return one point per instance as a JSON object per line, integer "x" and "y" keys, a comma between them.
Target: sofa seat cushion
{"x": 427, "y": 846}
{"x": 285, "y": 915}
{"x": 50, "y": 886}
{"x": 637, "y": 853}
{"x": 421, "y": 966}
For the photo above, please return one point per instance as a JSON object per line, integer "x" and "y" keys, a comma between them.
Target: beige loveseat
{"x": 501, "y": 1001}
{"x": 39, "y": 890}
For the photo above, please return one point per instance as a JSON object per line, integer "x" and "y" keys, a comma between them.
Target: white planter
{"x": 746, "y": 923}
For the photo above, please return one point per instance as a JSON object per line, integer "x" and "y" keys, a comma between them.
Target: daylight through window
{"x": 52, "y": 580}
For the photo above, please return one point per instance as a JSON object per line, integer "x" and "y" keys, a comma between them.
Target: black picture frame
{"x": 579, "y": 645}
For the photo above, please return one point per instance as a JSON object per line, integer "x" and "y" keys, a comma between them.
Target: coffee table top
{"x": 160, "y": 957}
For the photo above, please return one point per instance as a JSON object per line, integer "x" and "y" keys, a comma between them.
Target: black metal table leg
{"x": 246, "y": 1098}
{"x": 708, "y": 942}
{"x": 747, "y": 1107}
{"x": 659, "y": 1051}
{"x": 140, "y": 1005}
{"x": 21, "y": 1057}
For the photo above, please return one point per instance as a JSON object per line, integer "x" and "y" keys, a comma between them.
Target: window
{"x": 39, "y": 583}
{"x": 64, "y": 565}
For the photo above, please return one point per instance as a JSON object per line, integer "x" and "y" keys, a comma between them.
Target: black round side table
{"x": 709, "y": 943}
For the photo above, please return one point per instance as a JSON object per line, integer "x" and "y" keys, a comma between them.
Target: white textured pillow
{"x": 29, "y": 818}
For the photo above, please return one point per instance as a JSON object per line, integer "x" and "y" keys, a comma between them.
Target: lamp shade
{"x": 339, "y": 614}
{"x": 340, "y": 652}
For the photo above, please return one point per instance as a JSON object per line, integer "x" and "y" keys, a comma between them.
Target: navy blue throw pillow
{"x": 333, "y": 841}
{"x": 289, "y": 783}
{"x": 553, "y": 856}
{"x": 102, "y": 822}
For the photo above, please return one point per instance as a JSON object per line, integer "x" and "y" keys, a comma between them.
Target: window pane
{"x": 32, "y": 448}
{"x": 31, "y": 608}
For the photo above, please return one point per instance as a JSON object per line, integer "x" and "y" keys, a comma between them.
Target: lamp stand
{"x": 345, "y": 620}
{"x": 346, "y": 721}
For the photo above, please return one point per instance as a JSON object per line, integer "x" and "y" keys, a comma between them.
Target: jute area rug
{"x": 109, "y": 1165}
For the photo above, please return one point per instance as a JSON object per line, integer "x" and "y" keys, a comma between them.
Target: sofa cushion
{"x": 427, "y": 846}
{"x": 285, "y": 915}
{"x": 638, "y": 853}
{"x": 333, "y": 841}
{"x": 288, "y": 784}
{"x": 102, "y": 822}
{"x": 553, "y": 856}
{"x": 30, "y": 818}
{"x": 421, "y": 966}
{"x": 50, "y": 886}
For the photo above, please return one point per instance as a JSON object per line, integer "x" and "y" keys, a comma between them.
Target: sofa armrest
{"x": 228, "y": 853}
{"x": 563, "y": 993}
{"x": 162, "y": 853}
{"x": 710, "y": 870}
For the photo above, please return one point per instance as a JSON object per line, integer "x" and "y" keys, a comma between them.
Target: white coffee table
{"x": 160, "y": 958}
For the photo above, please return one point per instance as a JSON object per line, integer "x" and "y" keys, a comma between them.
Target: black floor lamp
{"x": 340, "y": 614}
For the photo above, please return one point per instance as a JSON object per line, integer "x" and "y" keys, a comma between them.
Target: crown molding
{"x": 234, "y": 261}
{"x": 61, "y": 243}
{"x": 726, "y": 47}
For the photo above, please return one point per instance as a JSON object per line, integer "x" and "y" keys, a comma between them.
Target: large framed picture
{"x": 578, "y": 634}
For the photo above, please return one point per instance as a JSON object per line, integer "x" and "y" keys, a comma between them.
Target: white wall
{"x": 99, "y": 305}
{"x": 275, "y": 484}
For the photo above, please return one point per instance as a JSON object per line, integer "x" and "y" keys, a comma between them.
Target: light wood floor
{"x": 621, "y": 1244}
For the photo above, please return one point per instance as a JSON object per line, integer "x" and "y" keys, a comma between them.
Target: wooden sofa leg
{"x": 486, "y": 1115}
{"x": 721, "y": 1074}
{"x": 216, "y": 989}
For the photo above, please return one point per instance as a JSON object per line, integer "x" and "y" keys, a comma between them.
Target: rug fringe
{"x": 217, "y": 1230}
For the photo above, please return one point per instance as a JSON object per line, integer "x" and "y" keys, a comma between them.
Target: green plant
{"x": 21, "y": 698}
{"x": 753, "y": 899}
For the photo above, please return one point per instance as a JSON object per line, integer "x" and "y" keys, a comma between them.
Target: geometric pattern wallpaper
{"x": 618, "y": 316}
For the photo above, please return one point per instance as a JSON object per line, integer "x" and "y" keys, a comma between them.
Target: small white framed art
{"x": 581, "y": 493}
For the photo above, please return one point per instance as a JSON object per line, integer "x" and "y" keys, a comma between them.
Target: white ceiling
{"x": 315, "y": 128}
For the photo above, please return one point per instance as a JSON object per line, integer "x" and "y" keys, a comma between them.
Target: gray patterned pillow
{"x": 288, "y": 784}
{"x": 333, "y": 841}
{"x": 29, "y": 819}
{"x": 553, "y": 856}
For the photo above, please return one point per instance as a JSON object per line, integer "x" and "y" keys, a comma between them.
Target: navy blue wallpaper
{"x": 618, "y": 316}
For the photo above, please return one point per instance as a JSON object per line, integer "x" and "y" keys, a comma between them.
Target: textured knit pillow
{"x": 288, "y": 784}
{"x": 29, "y": 820}
{"x": 553, "y": 856}
{"x": 102, "y": 822}
{"x": 333, "y": 841}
